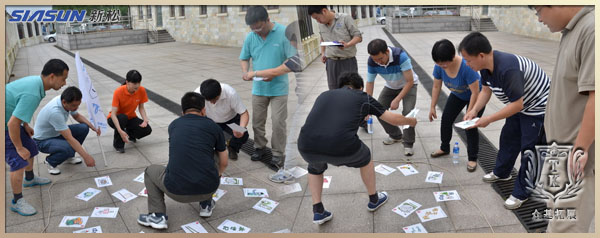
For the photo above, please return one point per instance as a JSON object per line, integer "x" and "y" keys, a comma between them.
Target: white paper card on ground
{"x": 232, "y": 181}
{"x": 266, "y": 205}
{"x": 434, "y": 177}
{"x": 416, "y": 228}
{"x": 105, "y": 212}
{"x": 124, "y": 195}
{"x": 236, "y": 127}
{"x": 218, "y": 194}
{"x": 298, "y": 172}
{"x": 73, "y": 221}
{"x": 331, "y": 43}
{"x": 292, "y": 188}
{"x": 232, "y": 227}
{"x": 258, "y": 78}
{"x": 95, "y": 229}
{"x": 384, "y": 169}
{"x": 443, "y": 196}
{"x": 143, "y": 193}
{"x": 139, "y": 178}
{"x": 326, "y": 181}
{"x": 431, "y": 214}
{"x": 412, "y": 114}
{"x": 88, "y": 194}
{"x": 256, "y": 193}
{"x": 286, "y": 230}
{"x": 406, "y": 208}
{"x": 407, "y": 169}
{"x": 103, "y": 181}
{"x": 466, "y": 124}
{"x": 194, "y": 227}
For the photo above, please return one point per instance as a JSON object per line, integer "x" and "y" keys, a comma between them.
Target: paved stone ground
{"x": 171, "y": 69}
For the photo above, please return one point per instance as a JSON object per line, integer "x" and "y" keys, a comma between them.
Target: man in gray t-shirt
{"x": 338, "y": 28}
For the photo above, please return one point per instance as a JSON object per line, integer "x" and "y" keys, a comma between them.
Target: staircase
{"x": 162, "y": 36}
{"x": 485, "y": 24}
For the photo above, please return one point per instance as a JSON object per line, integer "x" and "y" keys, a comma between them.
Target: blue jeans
{"x": 58, "y": 147}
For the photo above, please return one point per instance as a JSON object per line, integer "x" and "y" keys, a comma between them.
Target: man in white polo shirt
{"x": 226, "y": 107}
{"x": 55, "y": 137}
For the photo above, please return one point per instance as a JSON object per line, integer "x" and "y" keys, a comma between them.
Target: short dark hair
{"x": 255, "y": 14}
{"x": 351, "y": 79}
{"x": 54, "y": 66}
{"x": 71, "y": 94}
{"x": 210, "y": 89}
{"x": 475, "y": 43}
{"x": 377, "y": 46}
{"x": 443, "y": 51}
{"x": 133, "y": 76}
{"x": 192, "y": 100}
{"x": 316, "y": 9}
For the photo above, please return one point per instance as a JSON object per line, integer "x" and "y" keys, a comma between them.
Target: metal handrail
{"x": 476, "y": 15}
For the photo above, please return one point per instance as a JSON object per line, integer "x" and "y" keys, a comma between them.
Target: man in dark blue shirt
{"x": 193, "y": 172}
{"x": 523, "y": 86}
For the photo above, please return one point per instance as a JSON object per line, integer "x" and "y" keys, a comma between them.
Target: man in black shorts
{"x": 329, "y": 137}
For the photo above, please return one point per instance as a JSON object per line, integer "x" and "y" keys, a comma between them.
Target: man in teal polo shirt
{"x": 268, "y": 48}
{"x": 22, "y": 99}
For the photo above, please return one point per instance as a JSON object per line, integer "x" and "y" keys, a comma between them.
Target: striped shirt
{"x": 392, "y": 72}
{"x": 518, "y": 77}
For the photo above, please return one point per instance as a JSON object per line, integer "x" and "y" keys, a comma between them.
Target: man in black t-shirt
{"x": 329, "y": 137}
{"x": 193, "y": 172}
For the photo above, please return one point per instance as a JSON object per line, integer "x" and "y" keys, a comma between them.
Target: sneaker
{"x": 153, "y": 221}
{"x": 22, "y": 207}
{"x": 320, "y": 218}
{"x": 74, "y": 160}
{"x": 232, "y": 154}
{"x": 491, "y": 177}
{"x": 37, "y": 180}
{"x": 258, "y": 154}
{"x": 120, "y": 150}
{"x": 207, "y": 211}
{"x": 408, "y": 151}
{"x": 390, "y": 140}
{"x": 277, "y": 161}
{"x": 513, "y": 203}
{"x": 282, "y": 176}
{"x": 383, "y": 197}
{"x": 52, "y": 170}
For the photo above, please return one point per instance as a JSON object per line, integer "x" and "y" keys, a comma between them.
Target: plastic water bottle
{"x": 455, "y": 151}
{"x": 370, "y": 125}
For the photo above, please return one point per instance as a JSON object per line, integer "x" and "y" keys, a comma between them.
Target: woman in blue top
{"x": 464, "y": 84}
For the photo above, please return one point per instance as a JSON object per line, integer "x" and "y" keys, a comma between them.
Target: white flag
{"x": 90, "y": 97}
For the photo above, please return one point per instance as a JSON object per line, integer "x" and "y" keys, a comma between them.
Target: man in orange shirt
{"x": 122, "y": 118}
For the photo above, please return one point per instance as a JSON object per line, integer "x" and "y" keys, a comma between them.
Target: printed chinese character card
{"x": 232, "y": 181}
{"x": 407, "y": 169}
{"x": 73, "y": 221}
{"x": 431, "y": 214}
{"x": 232, "y": 227}
{"x": 446, "y": 196}
{"x": 256, "y": 193}
{"x": 105, "y": 212}
{"x": 194, "y": 227}
{"x": 416, "y": 228}
{"x": 434, "y": 177}
{"x": 88, "y": 194}
{"x": 406, "y": 208}
{"x": 266, "y": 205}
{"x": 103, "y": 181}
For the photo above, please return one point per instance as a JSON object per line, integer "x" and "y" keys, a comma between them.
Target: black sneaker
{"x": 153, "y": 221}
{"x": 120, "y": 150}
{"x": 258, "y": 154}
{"x": 277, "y": 161}
{"x": 233, "y": 155}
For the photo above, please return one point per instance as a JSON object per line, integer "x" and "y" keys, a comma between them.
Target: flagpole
{"x": 102, "y": 149}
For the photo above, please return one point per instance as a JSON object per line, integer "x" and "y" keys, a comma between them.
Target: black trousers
{"x": 131, "y": 126}
{"x": 454, "y": 105}
{"x": 234, "y": 143}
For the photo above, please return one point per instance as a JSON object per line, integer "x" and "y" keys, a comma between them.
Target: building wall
{"x": 518, "y": 20}
{"x": 12, "y": 43}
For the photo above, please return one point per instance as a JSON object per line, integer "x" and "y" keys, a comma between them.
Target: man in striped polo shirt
{"x": 523, "y": 86}
{"x": 393, "y": 65}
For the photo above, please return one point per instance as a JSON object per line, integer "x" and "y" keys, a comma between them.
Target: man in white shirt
{"x": 226, "y": 107}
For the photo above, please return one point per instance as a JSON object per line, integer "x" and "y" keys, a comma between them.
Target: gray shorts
{"x": 317, "y": 163}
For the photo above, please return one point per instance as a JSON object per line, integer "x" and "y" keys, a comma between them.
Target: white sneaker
{"x": 491, "y": 177}
{"x": 408, "y": 151}
{"x": 52, "y": 170}
{"x": 390, "y": 140}
{"x": 73, "y": 160}
{"x": 207, "y": 211}
{"x": 513, "y": 203}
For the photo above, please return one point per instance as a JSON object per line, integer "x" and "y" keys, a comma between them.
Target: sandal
{"x": 438, "y": 153}
{"x": 471, "y": 168}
